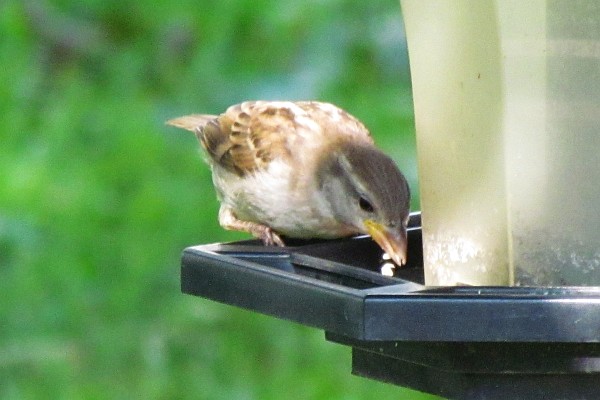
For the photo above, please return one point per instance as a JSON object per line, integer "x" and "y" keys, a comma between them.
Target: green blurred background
{"x": 98, "y": 197}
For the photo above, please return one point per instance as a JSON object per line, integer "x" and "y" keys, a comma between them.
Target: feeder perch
{"x": 457, "y": 342}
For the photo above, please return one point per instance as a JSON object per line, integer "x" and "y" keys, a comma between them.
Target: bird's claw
{"x": 270, "y": 238}
{"x": 228, "y": 220}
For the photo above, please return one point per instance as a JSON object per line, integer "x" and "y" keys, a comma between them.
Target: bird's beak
{"x": 393, "y": 242}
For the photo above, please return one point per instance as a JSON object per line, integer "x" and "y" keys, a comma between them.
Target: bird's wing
{"x": 248, "y": 136}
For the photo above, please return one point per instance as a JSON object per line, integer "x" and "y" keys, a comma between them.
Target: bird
{"x": 302, "y": 169}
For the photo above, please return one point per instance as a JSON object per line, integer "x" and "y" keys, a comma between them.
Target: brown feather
{"x": 249, "y": 135}
{"x": 192, "y": 123}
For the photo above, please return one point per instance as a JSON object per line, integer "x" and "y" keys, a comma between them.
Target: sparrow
{"x": 302, "y": 169}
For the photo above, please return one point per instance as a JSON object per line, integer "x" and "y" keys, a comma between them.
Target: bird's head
{"x": 365, "y": 190}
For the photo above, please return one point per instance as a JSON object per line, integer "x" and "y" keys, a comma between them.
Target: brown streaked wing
{"x": 249, "y": 135}
{"x": 255, "y": 133}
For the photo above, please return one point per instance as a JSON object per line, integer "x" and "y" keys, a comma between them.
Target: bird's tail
{"x": 193, "y": 123}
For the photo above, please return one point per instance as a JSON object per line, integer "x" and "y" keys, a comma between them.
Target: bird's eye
{"x": 365, "y": 205}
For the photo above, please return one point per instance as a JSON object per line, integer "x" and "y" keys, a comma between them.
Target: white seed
{"x": 388, "y": 269}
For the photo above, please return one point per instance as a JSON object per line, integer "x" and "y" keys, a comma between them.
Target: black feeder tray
{"x": 456, "y": 342}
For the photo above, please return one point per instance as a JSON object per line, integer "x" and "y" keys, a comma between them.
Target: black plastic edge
{"x": 491, "y": 319}
{"x": 272, "y": 292}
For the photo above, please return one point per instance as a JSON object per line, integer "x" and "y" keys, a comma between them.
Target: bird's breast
{"x": 280, "y": 197}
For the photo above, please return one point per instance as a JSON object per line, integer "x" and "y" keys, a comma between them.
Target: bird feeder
{"x": 507, "y": 112}
{"x": 463, "y": 342}
{"x": 501, "y": 294}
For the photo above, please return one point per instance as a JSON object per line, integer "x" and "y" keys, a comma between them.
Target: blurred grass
{"x": 98, "y": 197}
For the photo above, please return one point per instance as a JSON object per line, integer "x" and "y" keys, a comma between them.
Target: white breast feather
{"x": 267, "y": 197}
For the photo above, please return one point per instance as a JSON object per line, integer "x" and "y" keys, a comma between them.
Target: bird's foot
{"x": 228, "y": 220}
{"x": 269, "y": 237}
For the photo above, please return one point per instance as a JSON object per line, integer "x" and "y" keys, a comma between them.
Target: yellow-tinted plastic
{"x": 507, "y": 111}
